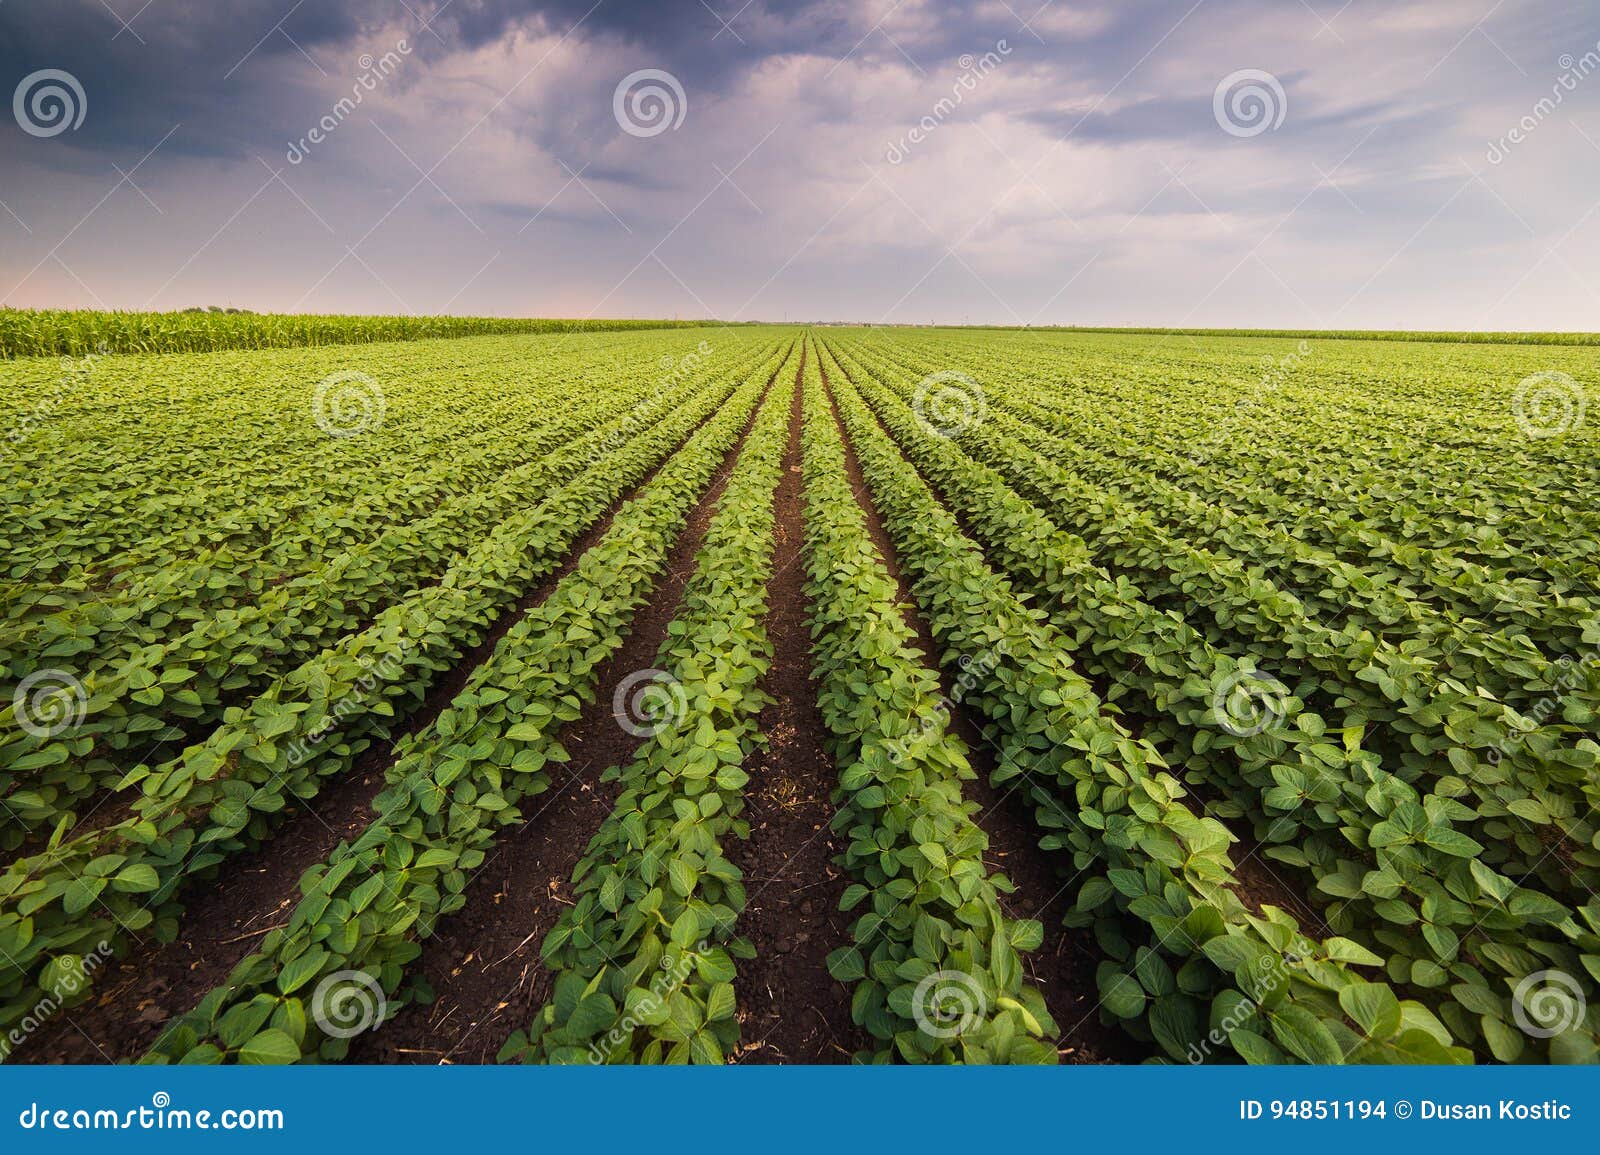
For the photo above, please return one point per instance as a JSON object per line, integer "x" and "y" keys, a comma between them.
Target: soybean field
{"x": 804, "y": 695}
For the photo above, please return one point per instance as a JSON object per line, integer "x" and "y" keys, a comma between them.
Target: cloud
{"x": 835, "y": 158}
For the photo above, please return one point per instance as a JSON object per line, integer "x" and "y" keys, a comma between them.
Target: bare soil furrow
{"x": 793, "y": 1010}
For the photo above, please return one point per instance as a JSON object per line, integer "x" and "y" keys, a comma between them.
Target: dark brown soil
{"x": 225, "y": 921}
{"x": 793, "y": 1010}
{"x": 1258, "y": 882}
{"x": 1063, "y": 967}
{"x": 483, "y": 962}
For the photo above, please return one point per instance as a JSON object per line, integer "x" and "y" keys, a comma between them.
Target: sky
{"x": 1252, "y": 163}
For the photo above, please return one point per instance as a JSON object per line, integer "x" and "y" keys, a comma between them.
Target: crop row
{"x": 1401, "y": 589}
{"x": 1407, "y": 335}
{"x": 935, "y": 963}
{"x": 1332, "y": 442}
{"x": 1189, "y": 965}
{"x": 455, "y": 786}
{"x": 1528, "y": 785}
{"x": 161, "y": 681}
{"x": 1290, "y": 779}
{"x": 219, "y": 796}
{"x": 643, "y": 959}
{"x": 247, "y": 454}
